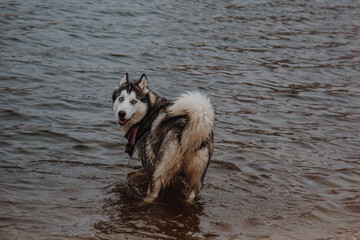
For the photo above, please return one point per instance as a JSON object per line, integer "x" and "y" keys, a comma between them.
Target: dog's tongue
{"x": 131, "y": 137}
{"x": 122, "y": 121}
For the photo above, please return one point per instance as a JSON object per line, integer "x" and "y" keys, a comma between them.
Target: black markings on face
{"x": 130, "y": 87}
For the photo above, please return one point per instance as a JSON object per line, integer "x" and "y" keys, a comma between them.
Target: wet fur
{"x": 173, "y": 137}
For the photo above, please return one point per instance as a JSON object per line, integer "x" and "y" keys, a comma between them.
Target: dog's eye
{"x": 121, "y": 99}
{"x": 133, "y": 102}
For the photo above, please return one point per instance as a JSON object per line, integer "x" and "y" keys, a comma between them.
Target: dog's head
{"x": 131, "y": 101}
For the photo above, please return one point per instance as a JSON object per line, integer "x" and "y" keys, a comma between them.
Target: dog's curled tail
{"x": 200, "y": 112}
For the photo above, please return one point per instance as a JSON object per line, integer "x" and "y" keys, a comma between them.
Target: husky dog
{"x": 170, "y": 138}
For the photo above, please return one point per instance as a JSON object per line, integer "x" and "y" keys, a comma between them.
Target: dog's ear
{"x": 143, "y": 83}
{"x": 124, "y": 79}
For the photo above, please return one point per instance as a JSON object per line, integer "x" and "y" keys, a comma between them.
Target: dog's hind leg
{"x": 167, "y": 168}
{"x": 195, "y": 170}
{"x": 153, "y": 191}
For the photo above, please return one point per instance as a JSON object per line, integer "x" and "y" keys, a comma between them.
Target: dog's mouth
{"x": 122, "y": 121}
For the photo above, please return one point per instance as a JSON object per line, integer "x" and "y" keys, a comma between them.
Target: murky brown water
{"x": 283, "y": 76}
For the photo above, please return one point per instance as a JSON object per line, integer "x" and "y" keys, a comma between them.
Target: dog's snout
{"x": 121, "y": 114}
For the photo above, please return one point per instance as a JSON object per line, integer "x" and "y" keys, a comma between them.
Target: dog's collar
{"x": 137, "y": 131}
{"x": 131, "y": 137}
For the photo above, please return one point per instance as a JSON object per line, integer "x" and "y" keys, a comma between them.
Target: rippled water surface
{"x": 283, "y": 77}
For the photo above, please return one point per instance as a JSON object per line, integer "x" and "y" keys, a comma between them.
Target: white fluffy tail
{"x": 200, "y": 111}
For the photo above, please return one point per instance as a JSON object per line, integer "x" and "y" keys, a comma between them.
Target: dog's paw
{"x": 191, "y": 197}
{"x": 136, "y": 174}
{"x": 145, "y": 201}
{"x": 149, "y": 199}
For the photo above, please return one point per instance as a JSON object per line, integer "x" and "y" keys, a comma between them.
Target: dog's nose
{"x": 121, "y": 114}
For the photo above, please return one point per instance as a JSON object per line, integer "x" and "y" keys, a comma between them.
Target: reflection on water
{"x": 283, "y": 77}
{"x": 129, "y": 216}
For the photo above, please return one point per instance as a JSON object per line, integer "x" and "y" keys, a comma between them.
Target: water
{"x": 282, "y": 75}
